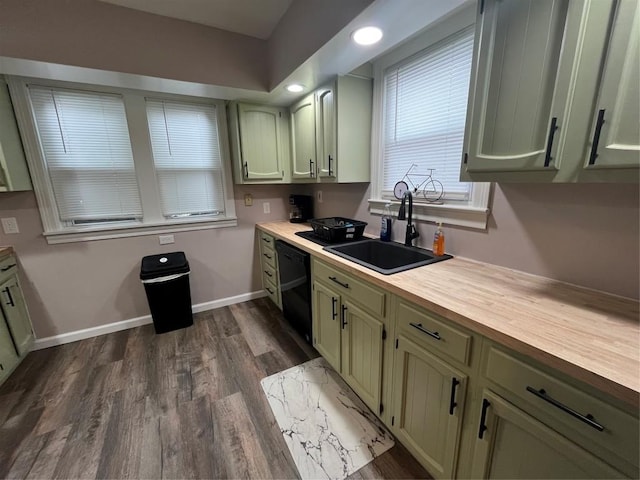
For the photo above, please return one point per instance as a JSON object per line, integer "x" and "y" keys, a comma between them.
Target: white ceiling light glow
{"x": 367, "y": 35}
{"x": 295, "y": 88}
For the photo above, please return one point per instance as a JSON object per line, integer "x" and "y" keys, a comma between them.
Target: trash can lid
{"x": 154, "y": 266}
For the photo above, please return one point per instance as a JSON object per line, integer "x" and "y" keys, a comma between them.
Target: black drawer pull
{"x": 330, "y": 171}
{"x": 588, "y": 418}
{"x": 266, "y": 240}
{"x": 596, "y": 138}
{"x": 246, "y": 170}
{"x": 452, "y": 402}
{"x": 267, "y": 255}
{"x": 483, "y": 418}
{"x": 311, "y": 172}
{"x": 419, "y": 326}
{"x": 269, "y": 290}
{"x": 334, "y": 311}
{"x": 269, "y": 274}
{"x": 334, "y": 279}
{"x": 552, "y": 131}
{"x": 344, "y": 321}
{"x": 8, "y": 292}
{"x": 8, "y": 267}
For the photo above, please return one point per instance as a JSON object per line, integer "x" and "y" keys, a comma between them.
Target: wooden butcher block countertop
{"x": 590, "y": 335}
{"x": 5, "y": 251}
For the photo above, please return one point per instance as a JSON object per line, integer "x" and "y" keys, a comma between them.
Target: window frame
{"x": 472, "y": 213}
{"x": 153, "y": 222}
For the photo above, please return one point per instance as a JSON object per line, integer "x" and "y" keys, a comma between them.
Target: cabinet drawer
{"x": 369, "y": 298}
{"x": 273, "y": 292}
{"x": 268, "y": 257}
{"x": 267, "y": 240}
{"x": 270, "y": 274}
{"x": 563, "y": 404}
{"x": 8, "y": 266}
{"x": 423, "y": 328}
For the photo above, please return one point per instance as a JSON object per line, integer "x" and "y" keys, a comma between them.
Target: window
{"x": 110, "y": 163}
{"x": 420, "y": 105}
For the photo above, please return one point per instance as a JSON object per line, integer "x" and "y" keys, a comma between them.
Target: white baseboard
{"x": 69, "y": 337}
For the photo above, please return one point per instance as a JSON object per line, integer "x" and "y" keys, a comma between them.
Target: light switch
{"x": 10, "y": 225}
{"x": 166, "y": 239}
{"x": 266, "y": 207}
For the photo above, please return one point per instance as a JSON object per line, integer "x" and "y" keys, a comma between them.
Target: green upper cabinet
{"x": 615, "y": 136}
{"x": 512, "y": 444}
{"x": 326, "y": 132}
{"x": 516, "y": 95}
{"x": 259, "y": 142}
{"x": 303, "y": 138}
{"x": 543, "y": 72}
{"x": 14, "y": 175}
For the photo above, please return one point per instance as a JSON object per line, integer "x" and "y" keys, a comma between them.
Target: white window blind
{"x": 85, "y": 142}
{"x": 186, "y": 153}
{"x": 425, "y": 108}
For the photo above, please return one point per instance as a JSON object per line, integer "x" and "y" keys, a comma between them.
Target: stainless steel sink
{"x": 385, "y": 257}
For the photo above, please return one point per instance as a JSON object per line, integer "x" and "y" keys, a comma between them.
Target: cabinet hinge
{"x": 481, "y": 7}
{"x": 381, "y": 409}
{"x": 384, "y": 333}
{"x": 466, "y": 157}
{"x": 396, "y": 343}
{"x": 393, "y": 419}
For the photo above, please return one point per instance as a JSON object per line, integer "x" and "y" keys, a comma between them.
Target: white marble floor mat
{"x": 328, "y": 429}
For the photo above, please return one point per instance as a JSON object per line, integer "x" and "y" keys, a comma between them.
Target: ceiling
{"x": 256, "y": 18}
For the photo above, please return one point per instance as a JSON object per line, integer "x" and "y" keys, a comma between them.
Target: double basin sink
{"x": 385, "y": 257}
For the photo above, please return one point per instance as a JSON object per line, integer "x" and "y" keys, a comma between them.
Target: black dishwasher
{"x": 295, "y": 285}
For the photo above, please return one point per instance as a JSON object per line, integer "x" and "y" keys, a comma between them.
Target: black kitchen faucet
{"x": 411, "y": 229}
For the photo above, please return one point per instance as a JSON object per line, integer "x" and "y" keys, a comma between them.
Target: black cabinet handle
{"x": 452, "y": 401}
{"x": 8, "y": 267}
{"x": 266, "y": 240}
{"x": 419, "y": 326}
{"x": 344, "y": 321}
{"x": 269, "y": 274}
{"x": 596, "y": 138}
{"x": 588, "y": 418}
{"x": 269, "y": 290}
{"x": 311, "y": 172}
{"x": 334, "y": 304}
{"x": 8, "y": 292}
{"x": 267, "y": 255}
{"x": 246, "y": 170}
{"x": 552, "y": 131}
{"x": 334, "y": 279}
{"x": 483, "y": 418}
{"x": 330, "y": 170}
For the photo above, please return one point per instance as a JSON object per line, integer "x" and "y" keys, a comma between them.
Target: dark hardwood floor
{"x": 185, "y": 404}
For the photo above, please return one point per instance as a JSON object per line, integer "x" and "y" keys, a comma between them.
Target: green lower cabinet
{"x": 15, "y": 312}
{"x": 8, "y": 356}
{"x": 428, "y": 407}
{"x": 327, "y": 324}
{"x": 513, "y": 444}
{"x": 362, "y": 338}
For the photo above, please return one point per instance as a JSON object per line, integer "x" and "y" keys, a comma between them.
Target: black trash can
{"x": 166, "y": 282}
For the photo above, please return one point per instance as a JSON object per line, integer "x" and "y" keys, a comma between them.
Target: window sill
{"x": 87, "y": 234}
{"x": 462, "y": 215}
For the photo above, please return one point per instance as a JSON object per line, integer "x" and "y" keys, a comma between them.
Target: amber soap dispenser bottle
{"x": 438, "y": 241}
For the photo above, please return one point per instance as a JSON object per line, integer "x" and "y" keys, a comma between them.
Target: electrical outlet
{"x": 10, "y": 225}
{"x": 319, "y": 196}
{"x": 248, "y": 200}
{"x": 266, "y": 206}
{"x": 166, "y": 239}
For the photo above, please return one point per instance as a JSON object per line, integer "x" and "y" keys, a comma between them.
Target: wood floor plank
{"x": 47, "y": 460}
{"x": 243, "y": 454}
{"x": 255, "y": 330}
{"x": 14, "y": 433}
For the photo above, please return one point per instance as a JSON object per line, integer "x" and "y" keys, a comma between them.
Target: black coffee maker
{"x": 300, "y": 208}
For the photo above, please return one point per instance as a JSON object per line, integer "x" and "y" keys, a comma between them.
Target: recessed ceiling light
{"x": 367, "y": 35}
{"x": 295, "y": 88}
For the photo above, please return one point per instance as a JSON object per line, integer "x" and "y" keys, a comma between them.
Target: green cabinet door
{"x": 8, "y": 356}
{"x": 326, "y": 132}
{"x": 260, "y": 147}
{"x": 15, "y": 312}
{"x": 428, "y": 407}
{"x": 515, "y": 93}
{"x": 516, "y": 445}
{"x": 327, "y": 324}
{"x": 303, "y": 138}
{"x": 615, "y": 134}
{"x": 362, "y": 353}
